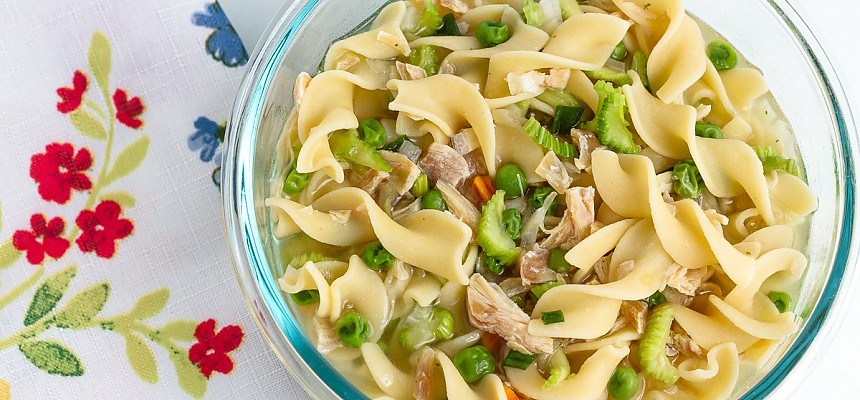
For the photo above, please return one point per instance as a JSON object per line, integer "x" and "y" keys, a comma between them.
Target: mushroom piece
{"x": 686, "y": 280}
{"x": 588, "y": 142}
{"x": 552, "y": 169}
{"x": 532, "y": 82}
{"x": 403, "y": 173}
{"x": 409, "y": 72}
{"x": 491, "y": 311}
{"x": 424, "y": 374}
{"x": 558, "y": 78}
{"x": 636, "y": 314}
{"x": 327, "y": 340}
{"x": 444, "y": 163}
{"x": 576, "y": 222}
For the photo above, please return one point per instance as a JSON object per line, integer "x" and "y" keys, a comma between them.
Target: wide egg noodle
{"x": 388, "y": 377}
{"x": 434, "y": 241}
{"x": 314, "y": 276}
{"x": 450, "y": 103}
{"x": 513, "y": 144}
{"x": 368, "y": 45}
{"x": 712, "y": 379}
{"x": 587, "y": 252}
{"x": 585, "y": 316}
{"x": 587, "y": 384}
{"x": 489, "y": 387}
{"x": 363, "y": 290}
{"x": 587, "y": 40}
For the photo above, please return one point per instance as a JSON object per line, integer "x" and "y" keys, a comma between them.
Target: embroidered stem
{"x": 28, "y": 332}
{"x": 96, "y": 109}
{"x": 21, "y": 288}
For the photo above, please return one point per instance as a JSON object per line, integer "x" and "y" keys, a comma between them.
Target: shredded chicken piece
{"x": 636, "y": 314}
{"x": 327, "y": 340}
{"x": 490, "y": 310}
{"x": 340, "y": 216}
{"x": 622, "y": 271}
{"x": 620, "y": 323}
{"x": 409, "y": 72}
{"x": 457, "y": 6}
{"x": 410, "y": 207}
{"x": 577, "y": 219}
{"x": 398, "y": 43}
{"x": 464, "y": 27}
{"x": 347, "y": 61}
{"x": 458, "y": 204}
{"x": 424, "y": 374}
{"x": 513, "y": 286}
{"x": 558, "y": 78}
{"x": 684, "y": 344}
{"x": 444, "y": 163}
{"x": 447, "y": 68}
{"x": 532, "y": 82}
{"x": 465, "y": 141}
{"x": 588, "y": 142}
{"x": 686, "y": 280}
{"x": 601, "y": 269}
{"x": 302, "y": 83}
{"x": 552, "y": 169}
{"x": 534, "y": 266}
{"x": 404, "y": 172}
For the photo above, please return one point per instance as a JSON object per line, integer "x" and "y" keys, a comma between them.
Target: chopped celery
{"x": 372, "y": 132}
{"x": 559, "y": 369}
{"x": 545, "y": 139}
{"x": 299, "y": 261}
{"x": 492, "y": 33}
{"x": 421, "y": 186}
{"x": 494, "y": 266}
{"x": 347, "y": 145}
{"x": 491, "y": 231}
{"x": 555, "y": 98}
{"x": 449, "y": 26}
{"x": 566, "y": 118}
{"x": 569, "y": 8}
{"x": 430, "y": 20}
{"x": 524, "y": 106}
{"x": 513, "y": 223}
{"x": 425, "y": 325}
{"x": 639, "y": 64}
{"x": 533, "y": 14}
{"x": 652, "y": 346}
{"x": 426, "y": 58}
{"x": 619, "y": 53}
{"x": 611, "y": 122}
{"x": 686, "y": 180}
{"x": 709, "y": 130}
{"x": 295, "y": 182}
{"x": 306, "y": 297}
{"x": 771, "y": 160}
{"x": 618, "y": 78}
{"x": 539, "y": 290}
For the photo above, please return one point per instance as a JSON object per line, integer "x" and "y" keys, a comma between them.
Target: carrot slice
{"x": 492, "y": 342}
{"x": 483, "y": 186}
{"x": 512, "y": 395}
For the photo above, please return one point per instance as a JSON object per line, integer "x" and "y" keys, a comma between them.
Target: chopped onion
{"x": 616, "y": 65}
{"x": 535, "y": 222}
{"x": 411, "y": 151}
{"x": 552, "y": 17}
{"x": 458, "y": 204}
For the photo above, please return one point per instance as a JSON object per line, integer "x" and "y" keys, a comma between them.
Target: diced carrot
{"x": 483, "y": 186}
{"x": 512, "y": 395}
{"x": 492, "y": 342}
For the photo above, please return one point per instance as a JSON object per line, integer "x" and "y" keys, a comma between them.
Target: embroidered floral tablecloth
{"x": 115, "y": 280}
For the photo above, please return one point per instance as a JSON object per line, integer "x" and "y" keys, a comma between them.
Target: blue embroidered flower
{"x": 224, "y": 44}
{"x": 207, "y": 139}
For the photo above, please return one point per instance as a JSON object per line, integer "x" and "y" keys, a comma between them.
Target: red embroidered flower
{"x": 59, "y": 170}
{"x": 100, "y": 229}
{"x": 71, "y": 97}
{"x": 210, "y": 352}
{"x": 128, "y": 110}
{"x": 51, "y": 244}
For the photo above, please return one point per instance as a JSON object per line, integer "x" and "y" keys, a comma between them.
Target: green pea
{"x": 539, "y": 196}
{"x": 781, "y": 300}
{"x": 512, "y": 179}
{"x": 686, "y": 180}
{"x": 620, "y": 52}
{"x": 513, "y": 221}
{"x": 295, "y": 182}
{"x": 655, "y": 299}
{"x": 557, "y": 262}
{"x": 377, "y": 257}
{"x": 623, "y": 384}
{"x": 421, "y": 186}
{"x": 493, "y": 265}
{"x": 443, "y": 323}
{"x": 474, "y": 363}
{"x": 433, "y": 200}
{"x": 353, "y": 329}
{"x": 492, "y": 33}
{"x": 722, "y": 54}
{"x": 306, "y": 297}
{"x": 373, "y": 133}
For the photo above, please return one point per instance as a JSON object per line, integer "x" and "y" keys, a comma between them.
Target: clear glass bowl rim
{"x": 250, "y": 263}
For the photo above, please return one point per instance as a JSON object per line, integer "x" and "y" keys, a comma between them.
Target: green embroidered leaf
{"x": 150, "y": 304}
{"x": 52, "y": 357}
{"x": 87, "y": 124}
{"x": 49, "y": 294}
{"x": 100, "y": 60}
{"x": 141, "y": 358}
{"x": 9, "y": 255}
{"x": 190, "y": 379}
{"x": 181, "y": 330}
{"x": 123, "y": 198}
{"x": 128, "y": 160}
{"x": 81, "y": 309}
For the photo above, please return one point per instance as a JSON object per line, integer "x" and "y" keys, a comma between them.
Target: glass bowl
{"x": 779, "y": 43}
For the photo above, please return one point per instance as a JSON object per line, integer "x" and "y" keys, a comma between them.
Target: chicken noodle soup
{"x": 540, "y": 200}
